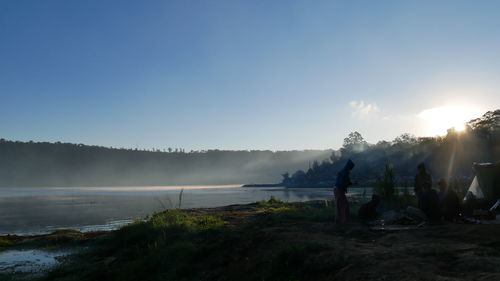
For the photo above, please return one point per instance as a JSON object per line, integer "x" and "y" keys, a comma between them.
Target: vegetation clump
{"x": 5, "y": 242}
{"x": 385, "y": 184}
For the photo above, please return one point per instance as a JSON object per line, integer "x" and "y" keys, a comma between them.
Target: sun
{"x": 459, "y": 128}
{"x": 438, "y": 120}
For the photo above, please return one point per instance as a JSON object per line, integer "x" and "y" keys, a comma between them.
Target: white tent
{"x": 486, "y": 183}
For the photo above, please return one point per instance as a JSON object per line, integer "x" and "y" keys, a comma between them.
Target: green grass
{"x": 162, "y": 247}
{"x": 175, "y": 245}
{"x": 285, "y": 213}
{"x": 5, "y": 242}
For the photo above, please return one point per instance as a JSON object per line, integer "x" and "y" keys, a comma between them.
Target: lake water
{"x": 29, "y": 261}
{"x": 43, "y": 210}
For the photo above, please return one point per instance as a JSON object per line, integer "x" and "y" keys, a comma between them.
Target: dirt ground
{"x": 447, "y": 251}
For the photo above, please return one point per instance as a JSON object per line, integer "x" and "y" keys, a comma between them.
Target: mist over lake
{"x": 42, "y": 210}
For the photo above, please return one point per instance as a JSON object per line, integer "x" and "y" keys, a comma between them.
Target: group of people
{"x": 436, "y": 205}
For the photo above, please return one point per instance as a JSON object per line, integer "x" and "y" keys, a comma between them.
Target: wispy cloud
{"x": 362, "y": 110}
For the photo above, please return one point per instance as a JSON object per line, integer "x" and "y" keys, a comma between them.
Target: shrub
{"x": 386, "y": 183}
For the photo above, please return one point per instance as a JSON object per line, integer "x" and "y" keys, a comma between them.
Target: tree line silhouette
{"x": 24, "y": 164}
{"x": 449, "y": 156}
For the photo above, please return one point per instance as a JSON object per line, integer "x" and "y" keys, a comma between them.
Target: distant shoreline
{"x": 263, "y": 185}
{"x": 286, "y": 186}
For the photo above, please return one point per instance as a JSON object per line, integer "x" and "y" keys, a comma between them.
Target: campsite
{"x": 252, "y": 140}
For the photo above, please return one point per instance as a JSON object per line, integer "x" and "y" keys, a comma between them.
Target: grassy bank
{"x": 279, "y": 241}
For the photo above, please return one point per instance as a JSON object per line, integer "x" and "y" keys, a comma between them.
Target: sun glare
{"x": 459, "y": 128}
{"x": 439, "y": 119}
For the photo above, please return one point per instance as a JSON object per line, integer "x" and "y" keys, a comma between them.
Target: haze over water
{"x": 42, "y": 210}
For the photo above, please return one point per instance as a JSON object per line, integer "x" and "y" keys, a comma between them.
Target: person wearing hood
{"x": 339, "y": 191}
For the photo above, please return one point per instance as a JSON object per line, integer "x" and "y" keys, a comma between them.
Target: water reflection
{"x": 31, "y": 261}
{"x": 41, "y": 210}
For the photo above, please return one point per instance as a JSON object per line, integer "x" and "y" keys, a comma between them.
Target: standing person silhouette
{"x": 423, "y": 181}
{"x": 341, "y": 204}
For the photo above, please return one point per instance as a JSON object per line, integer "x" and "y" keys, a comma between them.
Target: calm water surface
{"x": 42, "y": 210}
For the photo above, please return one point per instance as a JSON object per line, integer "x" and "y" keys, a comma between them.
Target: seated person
{"x": 430, "y": 204}
{"x": 368, "y": 211}
{"x": 450, "y": 204}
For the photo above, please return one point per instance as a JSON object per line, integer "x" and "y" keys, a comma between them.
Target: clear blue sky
{"x": 254, "y": 74}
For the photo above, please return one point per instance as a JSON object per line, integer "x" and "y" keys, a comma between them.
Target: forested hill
{"x": 24, "y": 164}
{"x": 449, "y": 156}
